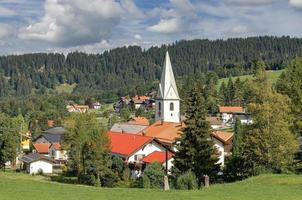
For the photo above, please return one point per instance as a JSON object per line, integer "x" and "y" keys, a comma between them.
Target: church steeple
{"x": 167, "y": 99}
{"x": 167, "y": 87}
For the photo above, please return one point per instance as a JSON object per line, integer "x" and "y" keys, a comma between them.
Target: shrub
{"x": 187, "y": 181}
{"x": 140, "y": 182}
{"x": 40, "y": 172}
{"x": 155, "y": 173}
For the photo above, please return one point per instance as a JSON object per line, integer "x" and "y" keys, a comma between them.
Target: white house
{"x": 35, "y": 163}
{"x": 59, "y": 155}
{"x": 161, "y": 157}
{"x": 223, "y": 143}
{"x": 133, "y": 148}
{"x": 228, "y": 112}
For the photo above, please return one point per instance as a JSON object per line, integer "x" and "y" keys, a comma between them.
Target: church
{"x": 144, "y": 140}
{"x": 167, "y": 108}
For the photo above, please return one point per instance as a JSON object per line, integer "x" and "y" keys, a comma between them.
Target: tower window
{"x": 159, "y": 109}
{"x": 171, "y": 106}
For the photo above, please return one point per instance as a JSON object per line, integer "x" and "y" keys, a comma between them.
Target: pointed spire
{"x": 167, "y": 87}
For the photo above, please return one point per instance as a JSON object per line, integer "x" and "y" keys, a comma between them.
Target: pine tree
{"x": 237, "y": 141}
{"x": 195, "y": 149}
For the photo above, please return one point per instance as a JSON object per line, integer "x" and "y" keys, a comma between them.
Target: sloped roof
{"x": 126, "y": 144}
{"x": 128, "y": 128}
{"x": 52, "y": 138}
{"x": 222, "y": 136}
{"x": 214, "y": 120}
{"x": 167, "y": 87}
{"x": 41, "y": 147}
{"x": 139, "y": 121}
{"x": 32, "y": 157}
{"x": 56, "y": 146}
{"x": 157, "y": 156}
{"x": 55, "y": 130}
{"x": 231, "y": 109}
{"x": 166, "y": 132}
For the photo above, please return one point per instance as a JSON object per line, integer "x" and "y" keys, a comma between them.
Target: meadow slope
{"x": 266, "y": 187}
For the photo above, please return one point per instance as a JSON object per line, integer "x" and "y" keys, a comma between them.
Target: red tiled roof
{"x": 222, "y": 136}
{"x": 157, "y": 156}
{"x": 126, "y": 144}
{"x": 139, "y": 121}
{"x": 56, "y": 146}
{"x": 41, "y": 147}
{"x": 166, "y": 132}
{"x": 231, "y": 109}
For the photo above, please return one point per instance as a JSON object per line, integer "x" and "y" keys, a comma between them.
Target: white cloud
{"x": 250, "y": 2}
{"x": 4, "y": 30}
{"x": 296, "y": 3}
{"x": 166, "y": 26}
{"x": 138, "y": 37}
{"x": 131, "y": 10}
{"x": 6, "y": 12}
{"x": 74, "y": 22}
{"x": 184, "y": 6}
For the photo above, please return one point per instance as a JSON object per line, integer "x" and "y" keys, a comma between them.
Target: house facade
{"x": 35, "y": 163}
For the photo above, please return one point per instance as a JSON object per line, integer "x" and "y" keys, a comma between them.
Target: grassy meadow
{"x": 15, "y": 186}
{"x": 271, "y": 75}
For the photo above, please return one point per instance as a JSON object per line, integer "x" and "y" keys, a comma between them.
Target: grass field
{"x": 271, "y": 75}
{"x": 266, "y": 187}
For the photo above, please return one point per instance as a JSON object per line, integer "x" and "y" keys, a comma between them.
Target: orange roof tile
{"x": 231, "y": 109}
{"x": 57, "y": 146}
{"x": 139, "y": 121}
{"x": 127, "y": 144}
{"x": 41, "y": 147}
{"x": 143, "y": 98}
{"x": 166, "y": 132}
{"x": 222, "y": 136}
{"x": 157, "y": 156}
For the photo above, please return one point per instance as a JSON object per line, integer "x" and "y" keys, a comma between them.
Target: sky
{"x": 92, "y": 26}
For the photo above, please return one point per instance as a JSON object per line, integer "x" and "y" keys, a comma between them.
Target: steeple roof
{"x": 167, "y": 87}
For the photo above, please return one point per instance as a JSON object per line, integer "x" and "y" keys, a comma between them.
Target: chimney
{"x": 144, "y": 132}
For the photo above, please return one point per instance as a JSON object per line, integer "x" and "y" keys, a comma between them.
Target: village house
{"x": 96, "y": 106}
{"x": 56, "y": 153}
{"x": 41, "y": 148}
{"x": 223, "y": 143}
{"x": 160, "y": 157}
{"x": 52, "y": 135}
{"x": 135, "y": 125}
{"x": 77, "y": 108}
{"x": 230, "y": 113}
{"x": 35, "y": 163}
{"x": 215, "y": 122}
{"x": 132, "y": 147}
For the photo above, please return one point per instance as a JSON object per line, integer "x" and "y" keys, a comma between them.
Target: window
{"x": 159, "y": 109}
{"x": 171, "y": 106}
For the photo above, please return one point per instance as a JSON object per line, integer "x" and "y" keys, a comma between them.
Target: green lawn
{"x": 271, "y": 75}
{"x": 271, "y": 187}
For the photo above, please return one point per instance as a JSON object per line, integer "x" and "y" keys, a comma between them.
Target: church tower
{"x": 167, "y": 102}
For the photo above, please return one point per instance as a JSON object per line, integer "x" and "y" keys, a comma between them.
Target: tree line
{"x": 127, "y": 69}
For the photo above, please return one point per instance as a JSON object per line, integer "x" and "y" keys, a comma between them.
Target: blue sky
{"x": 96, "y": 25}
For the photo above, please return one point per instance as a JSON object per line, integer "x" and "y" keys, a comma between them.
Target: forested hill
{"x": 127, "y": 67}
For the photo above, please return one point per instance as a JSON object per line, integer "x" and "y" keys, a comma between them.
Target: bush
{"x": 40, "y": 172}
{"x": 140, "y": 182}
{"x": 109, "y": 178}
{"x": 187, "y": 181}
{"x": 155, "y": 172}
